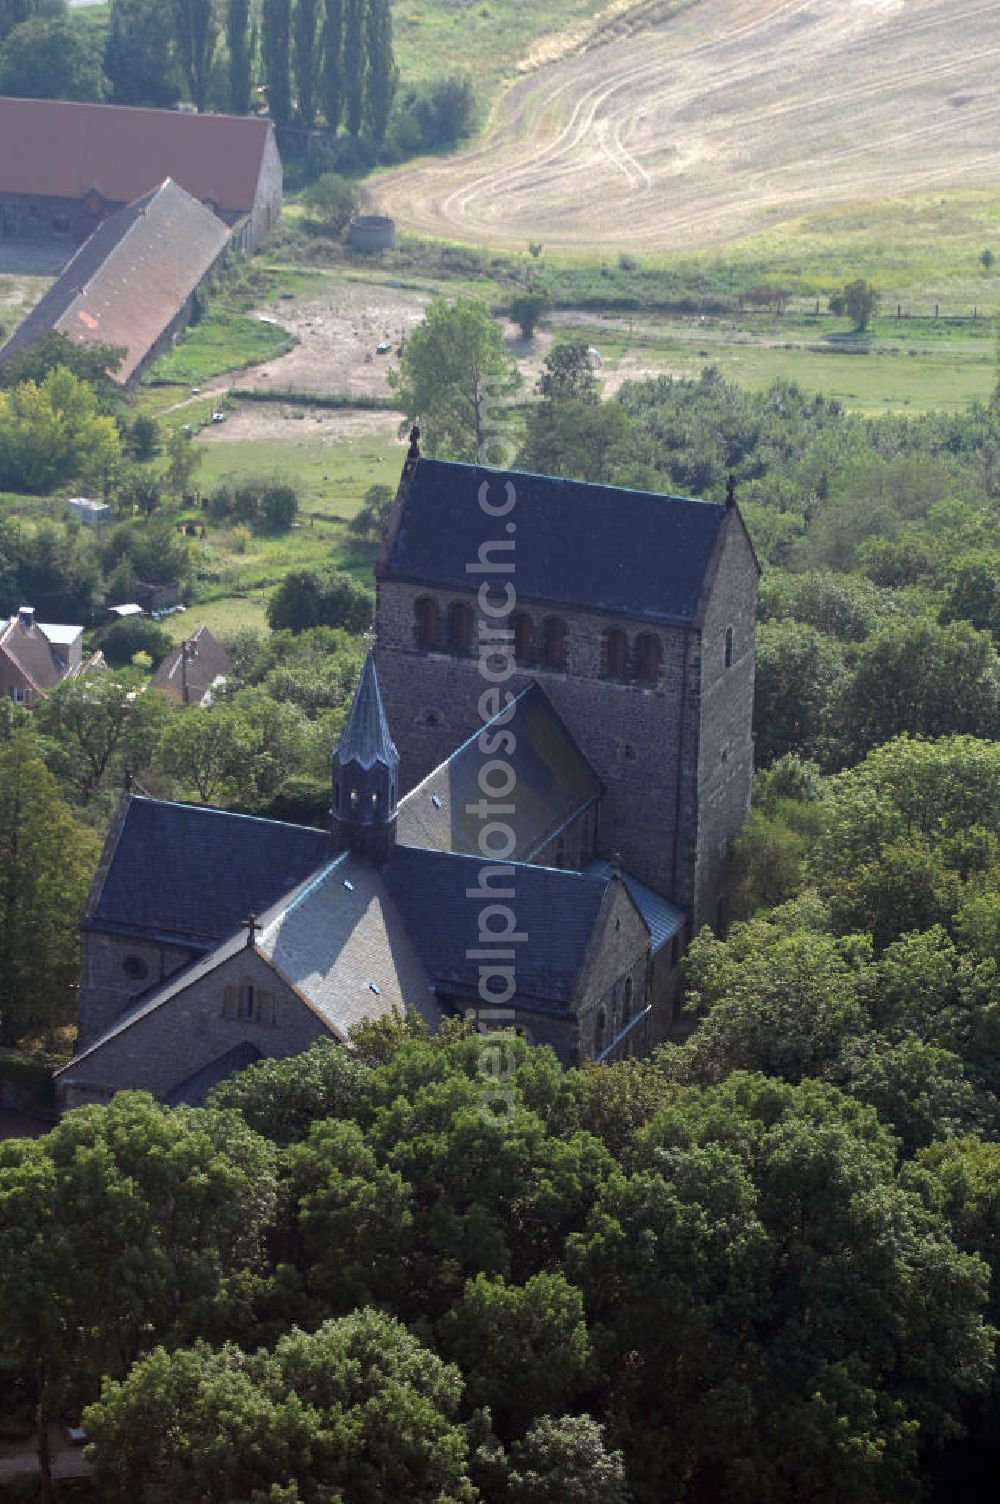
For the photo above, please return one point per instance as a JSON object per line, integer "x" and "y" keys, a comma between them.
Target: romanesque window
{"x": 554, "y": 642}
{"x": 627, "y": 1002}
{"x": 615, "y": 653}
{"x": 353, "y": 800}
{"x": 426, "y": 622}
{"x": 729, "y": 647}
{"x": 460, "y": 627}
{"x": 648, "y": 656}
{"x": 336, "y": 794}
{"x": 248, "y": 1003}
{"x": 600, "y": 1031}
{"x": 521, "y": 626}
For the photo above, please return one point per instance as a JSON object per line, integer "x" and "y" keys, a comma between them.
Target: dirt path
{"x": 725, "y": 119}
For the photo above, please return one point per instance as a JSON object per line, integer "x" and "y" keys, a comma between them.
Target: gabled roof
{"x": 555, "y": 910}
{"x": 66, "y": 150}
{"x": 336, "y": 939}
{"x": 600, "y": 548}
{"x": 340, "y": 942}
{"x": 553, "y": 782}
{"x": 663, "y": 918}
{"x": 366, "y": 738}
{"x": 31, "y": 651}
{"x": 189, "y": 875}
{"x": 127, "y": 283}
{"x": 205, "y": 667}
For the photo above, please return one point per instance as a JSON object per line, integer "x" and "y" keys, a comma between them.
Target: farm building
{"x": 77, "y": 163}
{"x": 132, "y": 283}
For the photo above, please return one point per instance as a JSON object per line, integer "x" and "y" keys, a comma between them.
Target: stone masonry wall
{"x": 112, "y": 975}
{"x": 187, "y": 1033}
{"x": 725, "y": 753}
{"x": 630, "y": 732}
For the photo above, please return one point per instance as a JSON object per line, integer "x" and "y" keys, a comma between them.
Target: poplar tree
{"x": 277, "y": 21}
{"x": 197, "y": 29}
{"x": 354, "y": 65}
{"x": 306, "y": 57}
{"x": 382, "y": 75}
{"x": 240, "y": 55}
{"x": 333, "y": 62}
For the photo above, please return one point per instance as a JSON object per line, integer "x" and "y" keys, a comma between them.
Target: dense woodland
{"x": 762, "y": 1265}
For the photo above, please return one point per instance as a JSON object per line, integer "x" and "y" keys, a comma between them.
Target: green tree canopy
{"x": 320, "y": 598}
{"x": 456, "y": 380}
{"x": 47, "y": 861}
{"x": 357, "y": 1409}
{"x": 52, "y": 57}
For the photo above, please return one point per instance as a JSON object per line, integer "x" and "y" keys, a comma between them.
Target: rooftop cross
{"x": 253, "y": 924}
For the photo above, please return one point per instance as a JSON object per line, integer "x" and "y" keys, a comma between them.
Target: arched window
{"x": 353, "y": 799}
{"x": 627, "y": 1002}
{"x": 600, "y": 1030}
{"x": 336, "y": 794}
{"x": 648, "y": 655}
{"x": 376, "y": 801}
{"x": 615, "y": 653}
{"x": 426, "y": 622}
{"x": 554, "y": 642}
{"x": 729, "y": 647}
{"x": 521, "y": 624}
{"x": 460, "y": 625}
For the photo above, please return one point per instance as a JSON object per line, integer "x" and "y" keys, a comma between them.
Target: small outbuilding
{"x": 372, "y": 232}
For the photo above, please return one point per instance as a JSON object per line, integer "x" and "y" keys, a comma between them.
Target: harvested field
{"x": 724, "y": 119}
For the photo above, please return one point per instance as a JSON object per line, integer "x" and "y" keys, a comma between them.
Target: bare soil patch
{"x": 250, "y": 422}
{"x": 338, "y": 342}
{"x": 721, "y": 120}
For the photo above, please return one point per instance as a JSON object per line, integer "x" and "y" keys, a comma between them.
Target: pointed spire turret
{"x": 366, "y": 774}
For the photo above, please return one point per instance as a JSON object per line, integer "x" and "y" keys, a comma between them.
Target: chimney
{"x": 26, "y": 617}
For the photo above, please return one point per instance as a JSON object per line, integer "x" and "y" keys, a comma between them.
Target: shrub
{"x": 331, "y": 201}
{"x": 136, "y": 634}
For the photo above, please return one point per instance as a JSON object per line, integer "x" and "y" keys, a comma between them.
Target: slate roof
{"x": 366, "y": 738}
{"x": 556, "y": 910}
{"x": 626, "y": 553}
{"x": 66, "y": 150}
{"x": 195, "y": 1088}
{"x": 554, "y": 782}
{"x": 662, "y": 917}
{"x": 343, "y": 946}
{"x": 188, "y": 874}
{"x": 209, "y": 663}
{"x": 127, "y": 283}
{"x": 337, "y": 939}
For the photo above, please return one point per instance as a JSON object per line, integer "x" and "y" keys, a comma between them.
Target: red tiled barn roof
{"x": 64, "y": 150}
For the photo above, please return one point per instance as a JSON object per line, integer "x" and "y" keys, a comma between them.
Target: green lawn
{"x": 915, "y": 365}
{"x": 222, "y": 342}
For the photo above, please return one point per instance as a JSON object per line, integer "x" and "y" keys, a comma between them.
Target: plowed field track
{"x": 724, "y": 120}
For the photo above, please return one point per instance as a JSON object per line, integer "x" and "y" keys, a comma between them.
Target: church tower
{"x": 365, "y": 775}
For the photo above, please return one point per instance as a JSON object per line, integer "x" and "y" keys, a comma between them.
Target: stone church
{"x": 532, "y": 803}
